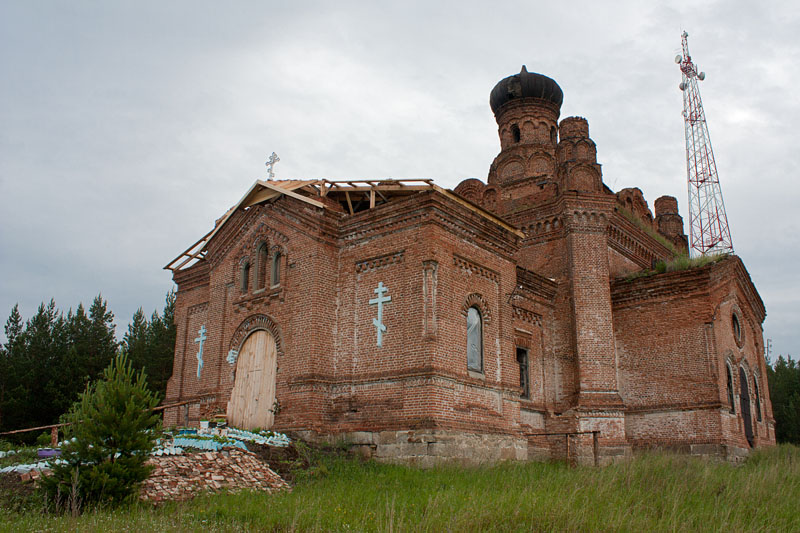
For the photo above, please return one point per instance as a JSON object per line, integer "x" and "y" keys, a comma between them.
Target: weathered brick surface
{"x": 182, "y": 477}
{"x": 642, "y": 361}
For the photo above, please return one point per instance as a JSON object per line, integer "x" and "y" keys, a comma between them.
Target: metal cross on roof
{"x": 271, "y": 163}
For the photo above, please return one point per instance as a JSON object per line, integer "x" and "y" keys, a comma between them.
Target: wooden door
{"x": 253, "y": 395}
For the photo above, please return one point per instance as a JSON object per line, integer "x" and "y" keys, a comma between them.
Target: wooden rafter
{"x": 367, "y": 190}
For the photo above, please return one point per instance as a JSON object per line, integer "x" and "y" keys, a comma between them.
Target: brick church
{"x": 518, "y": 318}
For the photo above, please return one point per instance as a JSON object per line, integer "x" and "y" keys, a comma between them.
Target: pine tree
{"x": 162, "y": 338}
{"x": 8, "y": 373}
{"x": 102, "y": 341}
{"x": 114, "y": 429}
{"x": 45, "y": 347}
{"x": 150, "y": 345}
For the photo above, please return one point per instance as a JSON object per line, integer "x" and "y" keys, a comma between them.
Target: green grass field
{"x": 650, "y": 493}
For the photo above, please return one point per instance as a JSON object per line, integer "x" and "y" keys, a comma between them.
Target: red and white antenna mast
{"x": 708, "y": 225}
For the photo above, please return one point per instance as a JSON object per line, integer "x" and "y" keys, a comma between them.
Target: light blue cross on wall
{"x": 380, "y": 300}
{"x": 201, "y": 339}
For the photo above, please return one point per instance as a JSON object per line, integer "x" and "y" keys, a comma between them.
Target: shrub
{"x": 113, "y": 429}
{"x": 44, "y": 440}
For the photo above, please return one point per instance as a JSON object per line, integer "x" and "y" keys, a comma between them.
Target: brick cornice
{"x": 634, "y": 243}
{"x": 429, "y": 207}
{"x": 536, "y": 284}
{"x": 687, "y": 283}
{"x": 193, "y": 276}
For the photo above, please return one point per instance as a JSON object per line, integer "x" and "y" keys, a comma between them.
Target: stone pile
{"x": 181, "y": 477}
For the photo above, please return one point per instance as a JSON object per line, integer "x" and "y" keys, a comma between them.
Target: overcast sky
{"x": 128, "y": 127}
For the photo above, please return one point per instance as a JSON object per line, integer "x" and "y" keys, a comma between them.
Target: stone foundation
{"x": 430, "y": 447}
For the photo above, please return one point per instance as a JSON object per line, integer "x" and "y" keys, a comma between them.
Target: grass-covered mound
{"x": 653, "y": 492}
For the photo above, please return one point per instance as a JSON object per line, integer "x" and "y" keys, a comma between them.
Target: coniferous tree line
{"x": 48, "y": 360}
{"x": 784, "y": 392}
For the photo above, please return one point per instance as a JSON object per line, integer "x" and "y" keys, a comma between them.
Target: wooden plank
{"x": 189, "y": 249}
{"x": 253, "y": 394}
{"x": 261, "y": 196}
{"x": 385, "y": 188}
{"x": 371, "y": 198}
{"x": 291, "y": 193}
{"x": 349, "y": 202}
{"x": 479, "y": 210}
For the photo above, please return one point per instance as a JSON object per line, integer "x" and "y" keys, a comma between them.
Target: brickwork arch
{"x": 477, "y": 301}
{"x": 730, "y": 383}
{"x": 243, "y": 273}
{"x": 254, "y": 323}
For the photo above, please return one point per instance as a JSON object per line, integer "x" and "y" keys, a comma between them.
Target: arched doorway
{"x": 253, "y": 395}
{"x": 744, "y": 400}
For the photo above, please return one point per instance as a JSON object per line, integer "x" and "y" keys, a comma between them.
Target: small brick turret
{"x": 577, "y": 157}
{"x": 670, "y": 223}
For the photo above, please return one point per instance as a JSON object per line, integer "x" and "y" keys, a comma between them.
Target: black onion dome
{"x": 525, "y": 85}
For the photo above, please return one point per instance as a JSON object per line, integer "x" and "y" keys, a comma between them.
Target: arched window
{"x": 263, "y": 261}
{"x": 737, "y": 328}
{"x": 244, "y": 275}
{"x": 524, "y": 379}
{"x": 276, "y": 268}
{"x": 730, "y": 387}
{"x": 515, "y": 133}
{"x": 474, "y": 340}
{"x": 758, "y": 398}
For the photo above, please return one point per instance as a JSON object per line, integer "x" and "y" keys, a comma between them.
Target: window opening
{"x": 245, "y": 275}
{"x": 730, "y": 388}
{"x": 515, "y": 133}
{"x": 474, "y": 340}
{"x": 744, "y": 406}
{"x": 276, "y": 269}
{"x": 263, "y": 259}
{"x": 524, "y": 379}
{"x": 758, "y": 398}
{"x": 737, "y": 328}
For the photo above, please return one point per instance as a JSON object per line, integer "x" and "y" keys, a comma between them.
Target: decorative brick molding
{"x": 199, "y": 308}
{"x": 472, "y": 267}
{"x": 545, "y": 226}
{"x": 528, "y": 316}
{"x": 476, "y": 300}
{"x": 254, "y": 323}
{"x": 536, "y": 284}
{"x": 587, "y": 221}
{"x": 430, "y": 282}
{"x": 379, "y": 261}
{"x": 522, "y": 339}
{"x": 276, "y": 235}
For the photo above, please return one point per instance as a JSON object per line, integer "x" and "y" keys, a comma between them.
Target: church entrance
{"x": 744, "y": 401}
{"x": 253, "y": 396}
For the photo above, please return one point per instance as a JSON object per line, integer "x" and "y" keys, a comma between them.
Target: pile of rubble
{"x": 181, "y": 477}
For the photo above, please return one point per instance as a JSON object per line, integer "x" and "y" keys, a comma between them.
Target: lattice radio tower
{"x": 708, "y": 224}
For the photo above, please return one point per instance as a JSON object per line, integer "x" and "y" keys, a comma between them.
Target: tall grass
{"x": 653, "y": 492}
{"x": 647, "y": 229}
{"x": 677, "y": 264}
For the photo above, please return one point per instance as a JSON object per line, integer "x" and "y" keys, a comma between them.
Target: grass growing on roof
{"x": 638, "y": 222}
{"x": 677, "y": 264}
